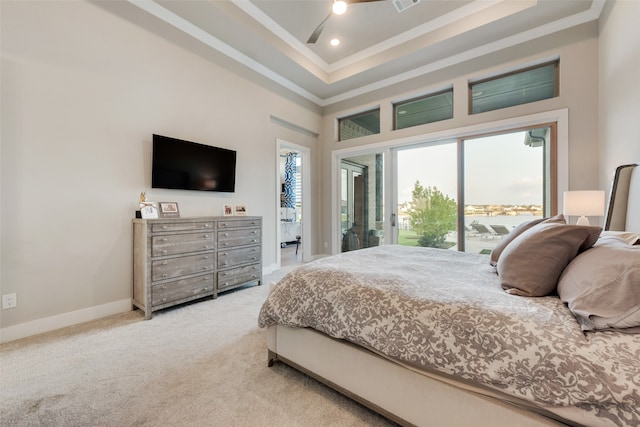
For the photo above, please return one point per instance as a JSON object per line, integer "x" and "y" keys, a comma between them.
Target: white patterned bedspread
{"x": 445, "y": 311}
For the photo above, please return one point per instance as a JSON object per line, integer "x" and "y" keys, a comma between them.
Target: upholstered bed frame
{"x": 409, "y": 397}
{"x": 623, "y": 212}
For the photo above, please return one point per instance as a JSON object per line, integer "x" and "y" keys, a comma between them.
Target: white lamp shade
{"x": 583, "y": 203}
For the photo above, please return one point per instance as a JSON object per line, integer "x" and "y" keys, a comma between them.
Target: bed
{"x": 436, "y": 337}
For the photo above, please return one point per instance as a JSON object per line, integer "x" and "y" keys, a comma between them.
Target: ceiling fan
{"x": 338, "y": 7}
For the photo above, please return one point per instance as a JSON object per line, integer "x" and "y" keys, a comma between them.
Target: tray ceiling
{"x": 379, "y": 45}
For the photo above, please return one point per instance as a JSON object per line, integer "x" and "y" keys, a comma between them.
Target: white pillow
{"x": 627, "y": 236}
{"x": 601, "y": 286}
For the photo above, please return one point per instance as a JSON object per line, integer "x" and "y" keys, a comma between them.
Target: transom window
{"x": 358, "y": 125}
{"x": 426, "y": 109}
{"x": 520, "y": 87}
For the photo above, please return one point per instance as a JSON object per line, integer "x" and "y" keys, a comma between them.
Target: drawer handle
{"x": 253, "y": 276}
{"x": 205, "y": 257}
{"x": 206, "y": 246}
{"x": 206, "y": 236}
{"x": 224, "y": 274}
{"x": 164, "y": 275}
{"x": 224, "y": 224}
{"x": 204, "y": 268}
{"x": 226, "y": 244}
{"x": 253, "y": 258}
{"x": 165, "y": 251}
{"x": 165, "y": 263}
{"x": 164, "y": 300}
{"x": 164, "y": 227}
{"x": 164, "y": 239}
{"x": 226, "y": 283}
{"x": 255, "y": 231}
{"x": 163, "y": 287}
{"x": 206, "y": 226}
{"x": 225, "y": 263}
{"x": 253, "y": 223}
{"x": 225, "y": 254}
{"x": 254, "y": 240}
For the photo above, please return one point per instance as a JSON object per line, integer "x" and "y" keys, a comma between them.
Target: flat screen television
{"x": 186, "y": 165}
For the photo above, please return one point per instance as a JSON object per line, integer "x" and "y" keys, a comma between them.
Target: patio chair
{"x": 500, "y": 230}
{"x": 482, "y": 230}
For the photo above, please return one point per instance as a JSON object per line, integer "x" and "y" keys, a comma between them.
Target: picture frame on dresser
{"x": 241, "y": 210}
{"x": 227, "y": 210}
{"x": 168, "y": 210}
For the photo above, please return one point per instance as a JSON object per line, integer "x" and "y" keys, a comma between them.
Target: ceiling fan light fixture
{"x": 339, "y": 7}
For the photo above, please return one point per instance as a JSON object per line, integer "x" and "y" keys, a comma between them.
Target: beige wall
{"x": 577, "y": 49}
{"x": 619, "y": 87}
{"x": 83, "y": 90}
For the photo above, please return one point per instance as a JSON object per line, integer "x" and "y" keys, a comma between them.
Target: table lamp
{"x": 583, "y": 204}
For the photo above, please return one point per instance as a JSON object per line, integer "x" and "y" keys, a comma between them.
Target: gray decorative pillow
{"x": 532, "y": 263}
{"x": 497, "y": 251}
{"x": 602, "y": 286}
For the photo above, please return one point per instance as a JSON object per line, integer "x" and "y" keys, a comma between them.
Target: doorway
{"x": 292, "y": 204}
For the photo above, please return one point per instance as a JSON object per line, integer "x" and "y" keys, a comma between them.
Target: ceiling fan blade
{"x": 316, "y": 33}
{"x": 361, "y": 1}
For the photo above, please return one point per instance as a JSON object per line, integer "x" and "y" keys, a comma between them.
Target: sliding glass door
{"x": 427, "y": 195}
{"x": 467, "y": 194}
{"x": 508, "y": 180}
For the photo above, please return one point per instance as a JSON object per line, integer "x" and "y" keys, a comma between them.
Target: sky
{"x": 499, "y": 170}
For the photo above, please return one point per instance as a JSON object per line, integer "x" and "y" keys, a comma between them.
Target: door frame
{"x": 305, "y": 154}
{"x": 559, "y": 116}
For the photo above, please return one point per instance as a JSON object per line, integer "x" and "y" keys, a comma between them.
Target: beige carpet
{"x": 200, "y": 364}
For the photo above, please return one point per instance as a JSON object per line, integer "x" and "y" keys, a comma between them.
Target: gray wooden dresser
{"x": 181, "y": 260}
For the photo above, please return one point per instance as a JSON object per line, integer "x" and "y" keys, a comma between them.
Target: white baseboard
{"x": 269, "y": 269}
{"x": 47, "y": 324}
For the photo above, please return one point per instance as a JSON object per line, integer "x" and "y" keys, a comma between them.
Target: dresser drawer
{"x": 180, "y": 289}
{"x": 181, "y": 226}
{"x": 230, "y": 238}
{"x": 234, "y": 257}
{"x": 172, "y": 244}
{"x": 238, "y": 275}
{"x": 239, "y": 223}
{"x": 181, "y": 266}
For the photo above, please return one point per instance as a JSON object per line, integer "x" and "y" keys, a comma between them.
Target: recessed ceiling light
{"x": 339, "y": 7}
{"x": 334, "y": 42}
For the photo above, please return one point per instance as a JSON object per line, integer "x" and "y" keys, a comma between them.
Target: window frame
{"x": 556, "y": 83}
{"x": 396, "y": 104}
{"x": 358, "y": 114}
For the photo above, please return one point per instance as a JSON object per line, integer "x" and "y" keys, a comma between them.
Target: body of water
{"x": 509, "y": 221}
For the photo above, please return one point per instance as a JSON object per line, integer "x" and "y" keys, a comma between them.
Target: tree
{"x": 433, "y": 215}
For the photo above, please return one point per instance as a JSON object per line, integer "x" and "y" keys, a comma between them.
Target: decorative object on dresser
{"x": 181, "y": 260}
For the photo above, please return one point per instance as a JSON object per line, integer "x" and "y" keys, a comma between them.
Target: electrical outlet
{"x": 9, "y": 301}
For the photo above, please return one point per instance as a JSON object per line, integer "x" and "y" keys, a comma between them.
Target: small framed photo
{"x": 227, "y": 210}
{"x": 169, "y": 210}
{"x": 149, "y": 210}
{"x": 241, "y": 210}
